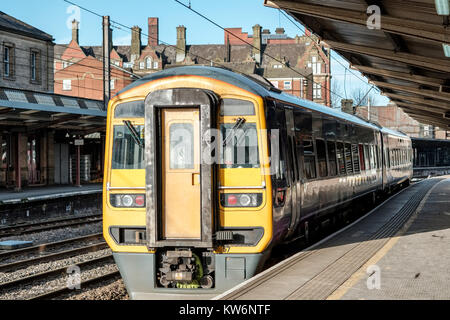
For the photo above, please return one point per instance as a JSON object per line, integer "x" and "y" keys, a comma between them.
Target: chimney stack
{"x": 153, "y": 32}
{"x": 257, "y": 43}
{"x": 280, "y": 31}
{"x": 135, "y": 43}
{"x": 181, "y": 44}
{"x": 76, "y": 31}
{"x": 347, "y": 106}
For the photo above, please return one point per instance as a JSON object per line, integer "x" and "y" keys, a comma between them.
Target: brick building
{"x": 79, "y": 71}
{"x": 301, "y": 65}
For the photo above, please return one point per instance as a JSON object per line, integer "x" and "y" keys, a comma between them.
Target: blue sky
{"x": 52, "y": 16}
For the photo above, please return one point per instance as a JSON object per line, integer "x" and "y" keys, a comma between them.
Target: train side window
{"x": 322, "y": 157}
{"x": 377, "y": 156}
{"x": 372, "y": 157}
{"x": 367, "y": 156}
{"x": 348, "y": 158}
{"x": 355, "y": 155}
{"x": 361, "y": 157}
{"x": 309, "y": 167}
{"x": 340, "y": 157}
{"x": 332, "y": 158}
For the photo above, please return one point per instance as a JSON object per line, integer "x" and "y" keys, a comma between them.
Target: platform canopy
{"x": 28, "y": 111}
{"x": 406, "y": 58}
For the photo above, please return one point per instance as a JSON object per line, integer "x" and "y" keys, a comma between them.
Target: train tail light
{"x": 241, "y": 200}
{"x": 127, "y": 200}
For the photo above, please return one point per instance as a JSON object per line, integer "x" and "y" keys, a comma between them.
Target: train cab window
{"x": 127, "y": 154}
{"x": 240, "y": 148}
{"x": 322, "y": 157}
{"x": 361, "y": 157}
{"x": 132, "y": 109}
{"x": 309, "y": 167}
{"x": 235, "y": 107}
{"x": 348, "y": 158}
{"x": 332, "y": 158}
{"x": 355, "y": 154}
{"x": 340, "y": 158}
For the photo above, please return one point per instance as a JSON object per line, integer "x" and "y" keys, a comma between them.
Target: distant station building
{"x": 393, "y": 117}
{"x": 299, "y": 66}
{"x": 45, "y": 139}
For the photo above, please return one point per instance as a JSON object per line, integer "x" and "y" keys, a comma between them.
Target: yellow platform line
{"x": 354, "y": 279}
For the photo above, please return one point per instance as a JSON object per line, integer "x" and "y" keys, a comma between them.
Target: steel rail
{"x": 54, "y": 256}
{"x": 66, "y": 290}
{"x": 48, "y": 225}
{"x": 47, "y": 246}
{"x": 55, "y": 272}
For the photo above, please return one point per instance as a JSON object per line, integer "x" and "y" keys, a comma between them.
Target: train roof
{"x": 255, "y": 87}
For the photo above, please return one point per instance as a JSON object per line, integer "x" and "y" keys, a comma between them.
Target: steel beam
{"x": 440, "y": 65}
{"x": 399, "y": 75}
{"x": 405, "y": 27}
{"x": 421, "y": 92}
{"x": 432, "y": 103}
{"x": 420, "y": 107}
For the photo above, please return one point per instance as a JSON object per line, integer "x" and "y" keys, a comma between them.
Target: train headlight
{"x": 127, "y": 200}
{"x": 242, "y": 200}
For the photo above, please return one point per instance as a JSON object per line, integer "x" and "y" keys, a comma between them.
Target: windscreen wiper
{"x": 239, "y": 123}
{"x": 134, "y": 133}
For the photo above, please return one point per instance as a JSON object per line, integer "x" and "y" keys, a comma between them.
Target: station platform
{"x": 47, "y": 193}
{"x": 399, "y": 250}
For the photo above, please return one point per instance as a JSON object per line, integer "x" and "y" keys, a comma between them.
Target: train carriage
{"x": 206, "y": 170}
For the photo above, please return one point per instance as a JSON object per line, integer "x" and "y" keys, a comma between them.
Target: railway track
{"x": 63, "y": 291}
{"x": 16, "y": 230}
{"x": 46, "y": 252}
{"x": 45, "y": 278}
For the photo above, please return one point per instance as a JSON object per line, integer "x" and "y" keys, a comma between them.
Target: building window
{"x": 113, "y": 84}
{"x": 287, "y": 85}
{"x": 67, "y": 85}
{"x": 155, "y": 65}
{"x": 8, "y": 61}
{"x": 275, "y": 84}
{"x": 317, "y": 91}
{"x": 316, "y": 66}
{"x": 149, "y": 62}
{"x": 142, "y": 65}
{"x": 35, "y": 65}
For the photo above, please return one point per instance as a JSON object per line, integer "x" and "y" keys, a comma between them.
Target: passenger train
{"x": 206, "y": 170}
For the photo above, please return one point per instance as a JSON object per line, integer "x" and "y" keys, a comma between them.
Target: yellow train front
{"x": 187, "y": 192}
{"x": 206, "y": 170}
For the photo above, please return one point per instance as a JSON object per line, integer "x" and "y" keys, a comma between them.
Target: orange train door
{"x": 181, "y": 189}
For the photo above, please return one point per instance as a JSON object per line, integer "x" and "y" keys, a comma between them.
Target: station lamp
{"x": 442, "y": 7}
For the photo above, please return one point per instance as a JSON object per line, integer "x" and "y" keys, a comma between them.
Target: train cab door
{"x": 293, "y": 174}
{"x": 180, "y": 172}
{"x": 181, "y": 181}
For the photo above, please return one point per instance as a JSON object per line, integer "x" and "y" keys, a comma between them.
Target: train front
{"x": 187, "y": 198}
